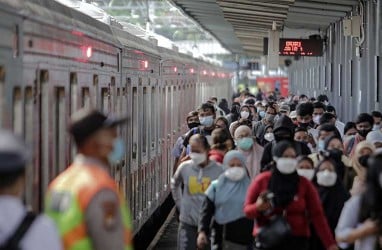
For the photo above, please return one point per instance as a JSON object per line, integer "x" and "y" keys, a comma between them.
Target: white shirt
{"x": 340, "y": 126}
{"x": 42, "y": 234}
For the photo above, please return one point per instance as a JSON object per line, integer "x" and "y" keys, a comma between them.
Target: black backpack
{"x": 12, "y": 243}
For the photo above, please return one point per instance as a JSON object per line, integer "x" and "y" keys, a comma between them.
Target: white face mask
{"x": 326, "y": 178}
{"x": 286, "y": 165}
{"x": 316, "y": 119}
{"x": 235, "y": 173}
{"x": 269, "y": 137}
{"x": 307, "y": 173}
{"x": 206, "y": 121}
{"x": 198, "y": 158}
{"x": 244, "y": 114}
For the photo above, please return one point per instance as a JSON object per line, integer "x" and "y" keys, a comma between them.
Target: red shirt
{"x": 306, "y": 208}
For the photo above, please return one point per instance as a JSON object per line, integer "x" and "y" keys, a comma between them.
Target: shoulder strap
{"x": 14, "y": 240}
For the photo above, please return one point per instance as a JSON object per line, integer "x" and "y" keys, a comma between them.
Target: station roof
{"x": 241, "y": 25}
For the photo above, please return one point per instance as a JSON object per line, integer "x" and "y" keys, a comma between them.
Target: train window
{"x": 105, "y": 100}
{"x": 28, "y": 135}
{"x": 45, "y": 114}
{"x": 118, "y": 102}
{"x": 2, "y": 96}
{"x": 59, "y": 123}
{"x": 112, "y": 94}
{"x": 17, "y": 111}
{"x": 154, "y": 118}
{"x": 135, "y": 119}
{"x": 95, "y": 93}
{"x": 145, "y": 114}
{"x": 85, "y": 96}
{"x": 73, "y": 92}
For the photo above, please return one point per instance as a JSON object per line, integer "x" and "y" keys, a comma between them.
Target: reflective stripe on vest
{"x": 68, "y": 197}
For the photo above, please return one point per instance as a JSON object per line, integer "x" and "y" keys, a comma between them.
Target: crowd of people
{"x": 278, "y": 173}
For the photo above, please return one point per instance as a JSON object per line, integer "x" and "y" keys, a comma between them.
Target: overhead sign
{"x": 301, "y": 47}
{"x": 297, "y": 47}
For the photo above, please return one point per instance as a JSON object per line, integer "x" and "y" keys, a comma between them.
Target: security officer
{"x": 20, "y": 229}
{"x": 84, "y": 200}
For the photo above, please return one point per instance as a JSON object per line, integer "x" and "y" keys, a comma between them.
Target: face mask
{"x": 321, "y": 145}
{"x": 307, "y": 173}
{"x": 326, "y": 103}
{"x": 262, "y": 113}
{"x": 363, "y": 132}
{"x": 235, "y": 173}
{"x": 363, "y": 160}
{"x": 118, "y": 151}
{"x": 244, "y": 114}
{"x": 269, "y": 137}
{"x": 316, "y": 119}
{"x": 270, "y": 117}
{"x": 326, "y": 178}
{"x": 304, "y": 124}
{"x": 198, "y": 158}
{"x": 336, "y": 154}
{"x": 192, "y": 125}
{"x": 245, "y": 143}
{"x": 206, "y": 121}
{"x": 286, "y": 165}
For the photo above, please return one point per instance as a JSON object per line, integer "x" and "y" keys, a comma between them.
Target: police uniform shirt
{"x": 41, "y": 235}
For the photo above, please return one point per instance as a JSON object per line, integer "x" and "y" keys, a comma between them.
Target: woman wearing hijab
{"x": 361, "y": 154}
{"x": 224, "y": 201}
{"x": 333, "y": 196}
{"x": 294, "y": 197}
{"x": 361, "y": 217}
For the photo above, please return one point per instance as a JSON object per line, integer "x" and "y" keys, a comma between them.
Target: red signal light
{"x": 212, "y": 73}
{"x": 192, "y": 71}
{"x": 175, "y": 69}
{"x": 204, "y": 72}
{"x": 89, "y": 51}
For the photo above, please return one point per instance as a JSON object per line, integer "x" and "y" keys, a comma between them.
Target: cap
{"x": 374, "y": 136}
{"x": 85, "y": 123}
{"x": 13, "y": 153}
{"x": 284, "y": 108}
{"x": 293, "y": 114}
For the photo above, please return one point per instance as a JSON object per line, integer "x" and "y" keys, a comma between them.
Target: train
{"x": 55, "y": 60}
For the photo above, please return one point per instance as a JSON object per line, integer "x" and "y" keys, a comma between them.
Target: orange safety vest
{"x": 68, "y": 197}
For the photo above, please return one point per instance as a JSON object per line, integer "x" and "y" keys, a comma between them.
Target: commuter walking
{"x": 291, "y": 200}
{"x": 20, "y": 229}
{"x": 195, "y": 175}
{"x": 224, "y": 202}
{"x": 84, "y": 200}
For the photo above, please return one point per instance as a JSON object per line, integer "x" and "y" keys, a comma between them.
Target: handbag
{"x": 274, "y": 233}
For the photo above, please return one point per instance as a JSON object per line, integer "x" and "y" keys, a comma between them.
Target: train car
{"x": 55, "y": 60}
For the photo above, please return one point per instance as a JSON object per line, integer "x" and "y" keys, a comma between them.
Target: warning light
{"x": 175, "y": 69}
{"x": 212, "y": 73}
{"x": 89, "y": 52}
{"x": 192, "y": 71}
{"x": 145, "y": 64}
{"x": 223, "y": 75}
{"x": 204, "y": 72}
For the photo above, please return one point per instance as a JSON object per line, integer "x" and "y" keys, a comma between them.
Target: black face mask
{"x": 282, "y": 136}
{"x": 363, "y": 132}
{"x": 363, "y": 160}
{"x": 336, "y": 154}
{"x": 304, "y": 124}
{"x": 192, "y": 125}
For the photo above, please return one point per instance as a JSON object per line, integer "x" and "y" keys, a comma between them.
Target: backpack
{"x": 12, "y": 243}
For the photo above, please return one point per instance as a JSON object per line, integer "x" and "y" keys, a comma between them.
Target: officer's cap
{"x": 85, "y": 123}
{"x": 13, "y": 153}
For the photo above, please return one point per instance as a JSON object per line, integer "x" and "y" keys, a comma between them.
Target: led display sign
{"x": 301, "y": 47}
{"x": 297, "y": 47}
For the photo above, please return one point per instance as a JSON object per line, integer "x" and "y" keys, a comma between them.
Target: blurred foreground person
{"x": 361, "y": 217}
{"x": 224, "y": 201}
{"x": 20, "y": 229}
{"x": 84, "y": 200}
{"x": 284, "y": 204}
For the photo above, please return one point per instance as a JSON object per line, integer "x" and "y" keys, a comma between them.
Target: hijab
{"x": 359, "y": 169}
{"x": 283, "y": 186}
{"x": 332, "y": 198}
{"x": 229, "y": 196}
{"x": 336, "y": 156}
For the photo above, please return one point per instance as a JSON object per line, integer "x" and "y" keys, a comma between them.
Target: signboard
{"x": 297, "y": 47}
{"x": 301, "y": 47}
